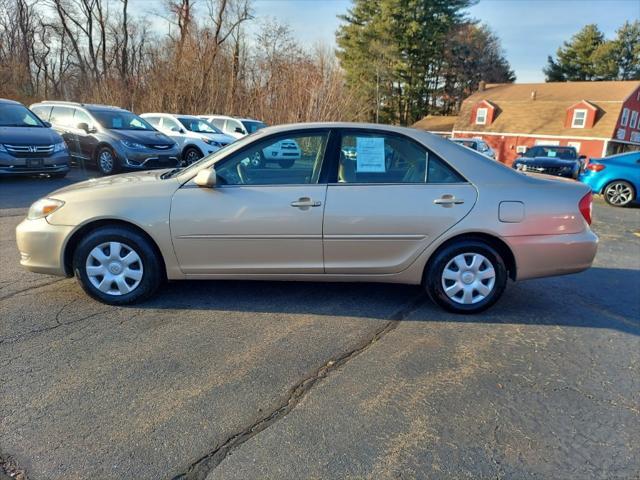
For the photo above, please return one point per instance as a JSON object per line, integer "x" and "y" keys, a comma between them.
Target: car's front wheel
{"x": 191, "y": 155}
{"x": 466, "y": 277}
{"x": 107, "y": 161}
{"x": 619, "y": 193}
{"x": 117, "y": 266}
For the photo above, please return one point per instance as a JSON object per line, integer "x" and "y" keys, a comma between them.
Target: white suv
{"x": 195, "y": 136}
{"x": 236, "y": 127}
{"x": 284, "y": 153}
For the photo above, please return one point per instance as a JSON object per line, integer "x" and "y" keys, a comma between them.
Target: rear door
{"x": 391, "y": 199}
{"x": 62, "y": 121}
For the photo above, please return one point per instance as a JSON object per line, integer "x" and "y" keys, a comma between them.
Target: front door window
{"x": 295, "y": 160}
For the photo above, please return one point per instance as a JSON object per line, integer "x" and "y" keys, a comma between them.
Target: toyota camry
{"x": 404, "y": 206}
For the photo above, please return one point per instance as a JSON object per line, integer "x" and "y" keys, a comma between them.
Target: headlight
{"x": 208, "y": 141}
{"x": 133, "y": 145}
{"x": 44, "y": 207}
{"x": 59, "y": 147}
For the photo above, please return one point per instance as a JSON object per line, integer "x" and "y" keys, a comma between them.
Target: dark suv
{"x": 110, "y": 137}
{"x": 28, "y": 146}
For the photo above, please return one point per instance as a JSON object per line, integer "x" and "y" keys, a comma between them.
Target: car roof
{"x": 6, "y": 101}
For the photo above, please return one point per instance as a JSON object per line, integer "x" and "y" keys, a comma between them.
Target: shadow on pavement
{"x": 597, "y": 298}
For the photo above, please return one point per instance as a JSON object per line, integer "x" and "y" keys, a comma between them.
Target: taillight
{"x": 585, "y": 206}
{"x": 595, "y": 167}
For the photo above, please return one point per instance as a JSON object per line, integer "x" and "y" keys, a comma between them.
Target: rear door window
{"x": 62, "y": 116}
{"x": 42, "y": 111}
{"x": 372, "y": 157}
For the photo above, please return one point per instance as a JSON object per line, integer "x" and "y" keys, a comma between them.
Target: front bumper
{"x": 149, "y": 159}
{"x": 56, "y": 163}
{"x": 554, "y": 171}
{"x": 549, "y": 255}
{"x": 41, "y": 246}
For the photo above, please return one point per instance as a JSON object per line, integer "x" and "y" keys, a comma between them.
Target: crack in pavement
{"x": 53, "y": 327}
{"x": 26, "y": 289}
{"x": 201, "y": 468}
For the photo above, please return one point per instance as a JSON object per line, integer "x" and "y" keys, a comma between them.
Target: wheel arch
{"x": 495, "y": 242}
{"x": 191, "y": 145}
{"x": 85, "y": 229}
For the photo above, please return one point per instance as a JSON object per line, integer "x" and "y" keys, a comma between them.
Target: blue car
{"x": 616, "y": 177}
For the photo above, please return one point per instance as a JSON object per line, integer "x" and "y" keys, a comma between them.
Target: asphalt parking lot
{"x": 243, "y": 380}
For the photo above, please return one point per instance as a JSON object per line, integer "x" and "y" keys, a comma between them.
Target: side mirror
{"x": 206, "y": 178}
{"x": 239, "y": 130}
{"x": 47, "y": 124}
{"x": 83, "y": 126}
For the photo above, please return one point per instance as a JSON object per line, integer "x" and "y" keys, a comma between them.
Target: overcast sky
{"x": 529, "y": 29}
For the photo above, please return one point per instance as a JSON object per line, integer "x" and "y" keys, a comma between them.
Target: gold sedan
{"x": 356, "y": 203}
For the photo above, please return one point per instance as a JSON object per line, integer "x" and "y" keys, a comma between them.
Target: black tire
{"x": 433, "y": 276}
{"x": 288, "y": 163}
{"x": 619, "y": 193}
{"x": 191, "y": 155}
{"x": 104, "y": 166}
{"x": 150, "y": 268}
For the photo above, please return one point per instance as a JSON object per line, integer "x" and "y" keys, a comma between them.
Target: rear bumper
{"x": 549, "y": 255}
{"x": 41, "y": 246}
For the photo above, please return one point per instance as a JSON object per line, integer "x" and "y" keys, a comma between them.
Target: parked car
{"x": 29, "y": 146}
{"x": 551, "y": 160}
{"x": 236, "y": 127}
{"x": 283, "y": 153}
{"x": 195, "y": 136}
{"x": 112, "y": 138}
{"x": 616, "y": 177}
{"x": 431, "y": 215}
{"x": 476, "y": 144}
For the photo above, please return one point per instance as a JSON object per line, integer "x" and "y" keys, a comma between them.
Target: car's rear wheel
{"x": 107, "y": 161}
{"x": 191, "y": 155}
{"x": 619, "y": 193}
{"x": 466, "y": 277}
{"x": 117, "y": 265}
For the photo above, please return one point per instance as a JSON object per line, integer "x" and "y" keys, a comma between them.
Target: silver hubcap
{"x": 106, "y": 161}
{"x": 619, "y": 194}
{"x": 114, "y": 268}
{"x": 468, "y": 278}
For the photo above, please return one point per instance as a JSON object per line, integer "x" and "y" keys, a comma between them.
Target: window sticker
{"x": 370, "y": 155}
{"x": 116, "y": 122}
{"x": 551, "y": 153}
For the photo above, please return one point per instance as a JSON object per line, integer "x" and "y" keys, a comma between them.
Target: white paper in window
{"x": 370, "y": 155}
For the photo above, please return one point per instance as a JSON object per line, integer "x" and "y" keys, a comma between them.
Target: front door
{"x": 260, "y": 217}
{"x": 392, "y": 199}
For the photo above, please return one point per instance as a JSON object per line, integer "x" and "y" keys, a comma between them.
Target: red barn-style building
{"x": 598, "y": 118}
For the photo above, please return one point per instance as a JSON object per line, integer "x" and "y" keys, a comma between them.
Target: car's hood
{"x": 546, "y": 162}
{"x": 132, "y": 180}
{"x": 220, "y": 137}
{"x": 29, "y": 136}
{"x": 146, "y": 137}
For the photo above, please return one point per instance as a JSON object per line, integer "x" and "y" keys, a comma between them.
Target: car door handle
{"x": 305, "y": 202}
{"x": 448, "y": 201}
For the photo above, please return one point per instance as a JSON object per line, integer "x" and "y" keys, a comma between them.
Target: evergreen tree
{"x": 589, "y": 56}
{"x": 392, "y": 52}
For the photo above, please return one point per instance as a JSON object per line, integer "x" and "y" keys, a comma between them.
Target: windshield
{"x": 252, "y": 126}
{"x": 14, "y": 115}
{"x": 563, "y": 153}
{"x": 198, "y": 125}
{"x": 467, "y": 143}
{"x": 120, "y": 120}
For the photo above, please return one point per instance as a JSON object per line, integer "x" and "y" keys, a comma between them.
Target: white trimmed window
{"x": 634, "y": 119}
{"x": 521, "y": 148}
{"x": 625, "y": 117}
{"x": 575, "y": 145}
{"x": 481, "y": 116}
{"x": 579, "y": 118}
